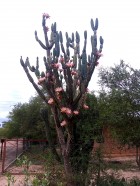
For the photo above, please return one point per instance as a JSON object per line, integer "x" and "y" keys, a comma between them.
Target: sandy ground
{"x": 19, "y": 179}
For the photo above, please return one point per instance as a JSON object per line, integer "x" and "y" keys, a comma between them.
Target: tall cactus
{"x": 63, "y": 84}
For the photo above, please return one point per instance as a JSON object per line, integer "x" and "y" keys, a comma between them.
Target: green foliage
{"x": 53, "y": 171}
{"x": 119, "y": 102}
{"x": 97, "y": 166}
{"x": 87, "y": 120}
{"x": 2, "y": 133}
{"x": 42, "y": 180}
{"x": 10, "y": 179}
{"x": 25, "y": 121}
{"x": 111, "y": 180}
{"x": 87, "y": 131}
{"x": 25, "y": 163}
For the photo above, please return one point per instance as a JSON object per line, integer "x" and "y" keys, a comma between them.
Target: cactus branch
{"x": 47, "y": 47}
{"x": 32, "y": 81}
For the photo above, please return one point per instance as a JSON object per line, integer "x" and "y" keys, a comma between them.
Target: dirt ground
{"x": 19, "y": 179}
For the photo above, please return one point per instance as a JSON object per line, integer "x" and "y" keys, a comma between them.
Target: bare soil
{"x": 128, "y": 173}
{"x": 17, "y": 172}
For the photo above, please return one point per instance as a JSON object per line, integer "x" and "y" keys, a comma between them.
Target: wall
{"x": 112, "y": 148}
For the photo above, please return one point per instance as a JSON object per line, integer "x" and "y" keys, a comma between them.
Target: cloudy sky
{"x": 119, "y": 24}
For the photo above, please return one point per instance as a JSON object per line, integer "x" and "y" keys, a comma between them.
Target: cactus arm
{"x": 46, "y": 36}
{"x": 101, "y": 44}
{"x": 70, "y": 85}
{"x": 62, "y": 48}
{"x": 58, "y": 82}
{"x": 32, "y": 81}
{"x": 85, "y": 42}
{"x": 84, "y": 65}
{"x": 61, "y": 43}
{"x": 42, "y": 45}
{"x": 45, "y": 30}
{"x": 27, "y": 63}
{"x": 75, "y": 103}
{"x": 59, "y": 130}
{"x": 92, "y": 68}
{"x": 77, "y": 43}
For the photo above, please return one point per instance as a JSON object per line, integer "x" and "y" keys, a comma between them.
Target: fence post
{"x": 3, "y": 155}
{"x": 16, "y": 147}
{"x": 2, "y": 141}
{"x": 23, "y": 143}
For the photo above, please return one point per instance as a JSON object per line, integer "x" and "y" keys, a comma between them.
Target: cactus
{"x": 65, "y": 80}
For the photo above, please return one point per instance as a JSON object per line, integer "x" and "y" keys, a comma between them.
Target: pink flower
{"x": 59, "y": 89}
{"x": 63, "y": 123}
{"x": 86, "y": 107}
{"x": 87, "y": 90}
{"x": 53, "y": 77}
{"x": 78, "y": 82}
{"x": 61, "y": 70}
{"x": 69, "y": 64}
{"x": 72, "y": 64}
{"x": 41, "y": 80}
{"x": 61, "y": 59}
{"x": 76, "y": 112}
{"x": 51, "y": 101}
{"x": 63, "y": 109}
{"x": 47, "y": 74}
{"x": 47, "y": 28}
{"x": 56, "y": 65}
{"x": 74, "y": 73}
{"x": 46, "y": 15}
{"x": 99, "y": 54}
{"x": 97, "y": 63}
{"x": 68, "y": 111}
{"x": 59, "y": 97}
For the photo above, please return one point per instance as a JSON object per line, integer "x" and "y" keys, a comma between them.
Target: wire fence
{"x": 11, "y": 149}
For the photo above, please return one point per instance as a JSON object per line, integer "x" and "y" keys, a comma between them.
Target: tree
{"x": 65, "y": 81}
{"x": 25, "y": 121}
{"x": 120, "y": 103}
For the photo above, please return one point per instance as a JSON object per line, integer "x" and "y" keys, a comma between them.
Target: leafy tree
{"x": 120, "y": 103}
{"x": 87, "y": 131}
{"x": 65, "y": 81}
{"x": 25, "y": 120}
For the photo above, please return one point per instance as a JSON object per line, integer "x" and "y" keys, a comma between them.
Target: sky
{"x": 119, "y": 25}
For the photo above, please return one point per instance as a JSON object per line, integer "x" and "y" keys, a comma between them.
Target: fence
{"x": 11, "y": 149}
